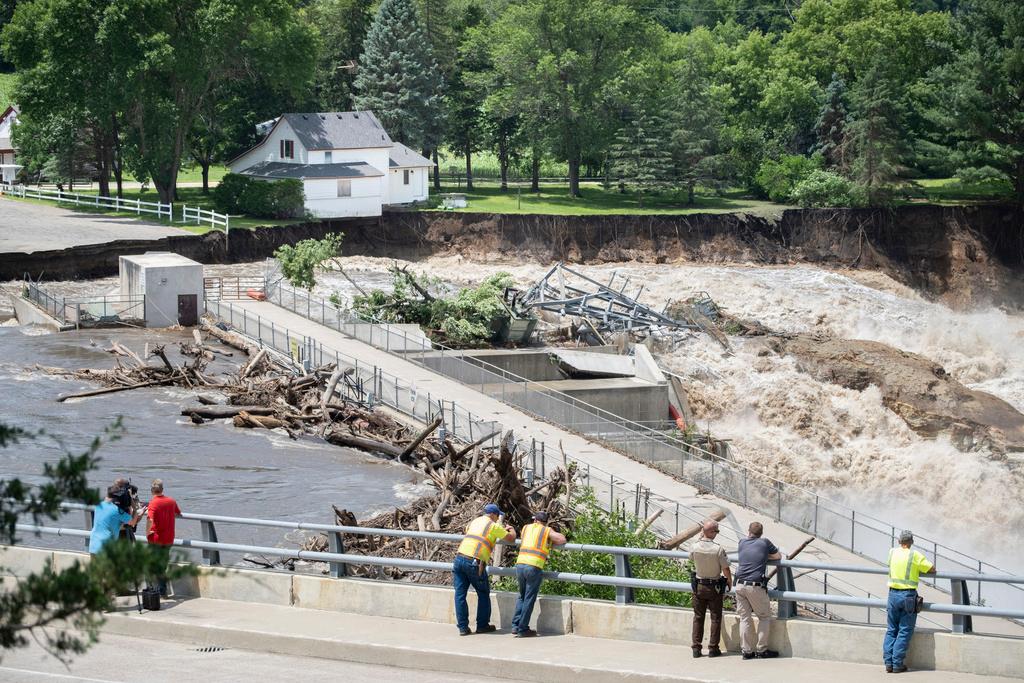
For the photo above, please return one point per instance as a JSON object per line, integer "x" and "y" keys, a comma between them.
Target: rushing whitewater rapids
{"x": 842, "y": 443}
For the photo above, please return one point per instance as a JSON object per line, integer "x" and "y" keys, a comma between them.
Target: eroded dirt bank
{"x": 960, "y": 255}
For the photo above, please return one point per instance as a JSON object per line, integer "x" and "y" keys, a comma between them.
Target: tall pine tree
{"x": 831, "y": 126}
{"x": 640, "y": 156}
{"x": 875, "y": 135}
{"x": 398, "y": 79}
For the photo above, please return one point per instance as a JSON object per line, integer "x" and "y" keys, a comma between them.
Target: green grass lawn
{"x": 595, "y": 200}
{"x": 952, "y": 191}
{"x": 6, "y": 88}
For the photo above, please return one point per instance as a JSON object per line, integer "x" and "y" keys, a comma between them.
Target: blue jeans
{"x": 901, "y": 621}
{"x": 529, "y": 579}
{"x": 466, "y": 573}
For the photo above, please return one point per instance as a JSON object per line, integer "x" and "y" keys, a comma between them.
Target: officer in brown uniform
{"x": 711, "y": 580}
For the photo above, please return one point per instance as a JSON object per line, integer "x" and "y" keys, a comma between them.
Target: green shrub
{"x": 228, "y": 193}
{"x": 597, "y": 527}
{"x": 777, "y": 179}
{"x": 260, "y": 198}
{"x": 825, "y": 188}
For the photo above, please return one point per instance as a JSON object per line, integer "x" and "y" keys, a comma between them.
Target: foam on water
{"x": 839, "y": 442}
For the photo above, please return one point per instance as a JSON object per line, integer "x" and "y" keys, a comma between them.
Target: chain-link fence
{"x": 792, "y": 505}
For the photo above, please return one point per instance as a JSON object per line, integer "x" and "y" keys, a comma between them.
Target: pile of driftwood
{"x": 466, "y": 481}
{"x": 264, "y": 391}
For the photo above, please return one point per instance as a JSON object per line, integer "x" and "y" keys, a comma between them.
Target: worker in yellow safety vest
{"x": 905, "y": 566}
{"x": 533, "y": 555}
{"x": 469, "y": 568}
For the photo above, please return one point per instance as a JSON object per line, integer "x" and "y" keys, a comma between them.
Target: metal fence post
{"x": 962, "y": 623}
{"x": 337, "y": 545}
{"x": 785, "y": 582}
{"x": 623, "y": 594}
{"x": 90, "y": 518}
{"x": 210, "y": 557}
{"x": 853, "y": 527}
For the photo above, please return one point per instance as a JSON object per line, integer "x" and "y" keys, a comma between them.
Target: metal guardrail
{"x": 88, "y": 311}
{"x": 622, "y": 581}
{"x": 792, "y": 505}
{"x": 231, "y": 288}
{"x": 159, "y": 209}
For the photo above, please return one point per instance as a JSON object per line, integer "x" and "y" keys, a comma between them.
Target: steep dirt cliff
{"x": 962, "y": 255}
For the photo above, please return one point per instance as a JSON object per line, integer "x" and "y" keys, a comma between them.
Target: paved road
{"x": 117, "y": 659}
{"x": 27, "y": 227}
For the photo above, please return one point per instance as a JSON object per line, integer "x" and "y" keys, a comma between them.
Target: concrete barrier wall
{"x": 831, "y": 641}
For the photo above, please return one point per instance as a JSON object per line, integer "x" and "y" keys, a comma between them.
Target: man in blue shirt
{"x": 107, "y": 521}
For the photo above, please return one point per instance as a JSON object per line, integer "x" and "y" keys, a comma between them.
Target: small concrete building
{"x": 171, "y": 283}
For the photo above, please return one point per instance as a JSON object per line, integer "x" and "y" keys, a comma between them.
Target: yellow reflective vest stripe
{"x": 477, "y": 542}
{"x": 536, "y": 546}
{"x": 902, "y": 572}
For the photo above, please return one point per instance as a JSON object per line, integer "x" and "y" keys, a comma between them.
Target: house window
{"x": 405, "y": 177}
{"x": 328, "y": 157}
{"x": 344, "y": 187}
{"x": 287, "y": 149}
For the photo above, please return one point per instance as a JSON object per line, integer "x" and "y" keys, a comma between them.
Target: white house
{"x": 8, "y": 169}
{"x": 347, "y": 163}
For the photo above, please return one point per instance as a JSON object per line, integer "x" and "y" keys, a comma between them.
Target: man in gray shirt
{"x": 752, "y": 592}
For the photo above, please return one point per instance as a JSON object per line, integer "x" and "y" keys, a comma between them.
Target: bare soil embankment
{"x": 962, "y": 255}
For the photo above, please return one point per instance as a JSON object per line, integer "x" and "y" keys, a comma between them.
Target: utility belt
{"x": 763, "y": 583}
{"x": 719, "y": 584}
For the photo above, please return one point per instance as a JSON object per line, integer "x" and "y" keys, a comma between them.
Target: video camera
{"x": 126, "y": 497}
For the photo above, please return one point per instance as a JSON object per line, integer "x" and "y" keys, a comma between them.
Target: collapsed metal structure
{"x": 604, "y": 307}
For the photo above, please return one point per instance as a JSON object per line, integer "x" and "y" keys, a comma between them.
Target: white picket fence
{"x": 158, "y": 209}
{"x": 194, "y": 214}
{"x": 189, "y": 214}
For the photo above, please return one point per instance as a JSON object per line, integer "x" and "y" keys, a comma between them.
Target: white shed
{"x": 171, "y": 283}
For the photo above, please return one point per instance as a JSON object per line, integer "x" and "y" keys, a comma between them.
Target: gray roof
{"x": 401, "y": 156}
{"x": 278, "y": 169}
{"x": 338, "y": 130}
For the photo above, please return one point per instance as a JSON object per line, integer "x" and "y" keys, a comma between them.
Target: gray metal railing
{"x": 623, "y": 582}
{"x": 790, "y": 504}
{"x": 614, "y": 494}
{"x": 88, "y": 311}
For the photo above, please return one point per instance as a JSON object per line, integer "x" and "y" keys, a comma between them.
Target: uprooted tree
{"x": 466, "y": 319}
{"x": 300, "y": 263}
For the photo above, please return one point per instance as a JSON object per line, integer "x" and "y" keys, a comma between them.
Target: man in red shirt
{"x": 160, "y": 516}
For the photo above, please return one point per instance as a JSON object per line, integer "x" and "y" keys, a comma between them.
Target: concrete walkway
{"x": 429, "y": 646}
{"x": 595, "y": 454}
{"x": 130, "y": 659}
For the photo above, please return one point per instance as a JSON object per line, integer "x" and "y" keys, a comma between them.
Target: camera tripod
{"x": 129, "y": 533}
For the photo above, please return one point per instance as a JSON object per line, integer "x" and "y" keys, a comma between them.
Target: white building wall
{"x": 374, "y": 156}
{"x": 416, "y": 190}
{"x": 322, "y": 198}
{"x": 270, "y": 149}
{"x": 163, "y": 285}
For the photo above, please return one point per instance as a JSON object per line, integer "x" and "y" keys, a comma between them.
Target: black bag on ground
{"x": 151, "y": 599}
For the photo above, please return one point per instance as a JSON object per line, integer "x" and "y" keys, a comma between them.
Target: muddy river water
{"x": 213, "y": 468}
{"x": 842, "y": 443}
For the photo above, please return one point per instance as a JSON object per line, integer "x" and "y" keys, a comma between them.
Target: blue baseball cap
{"x": 492, "y": 509}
